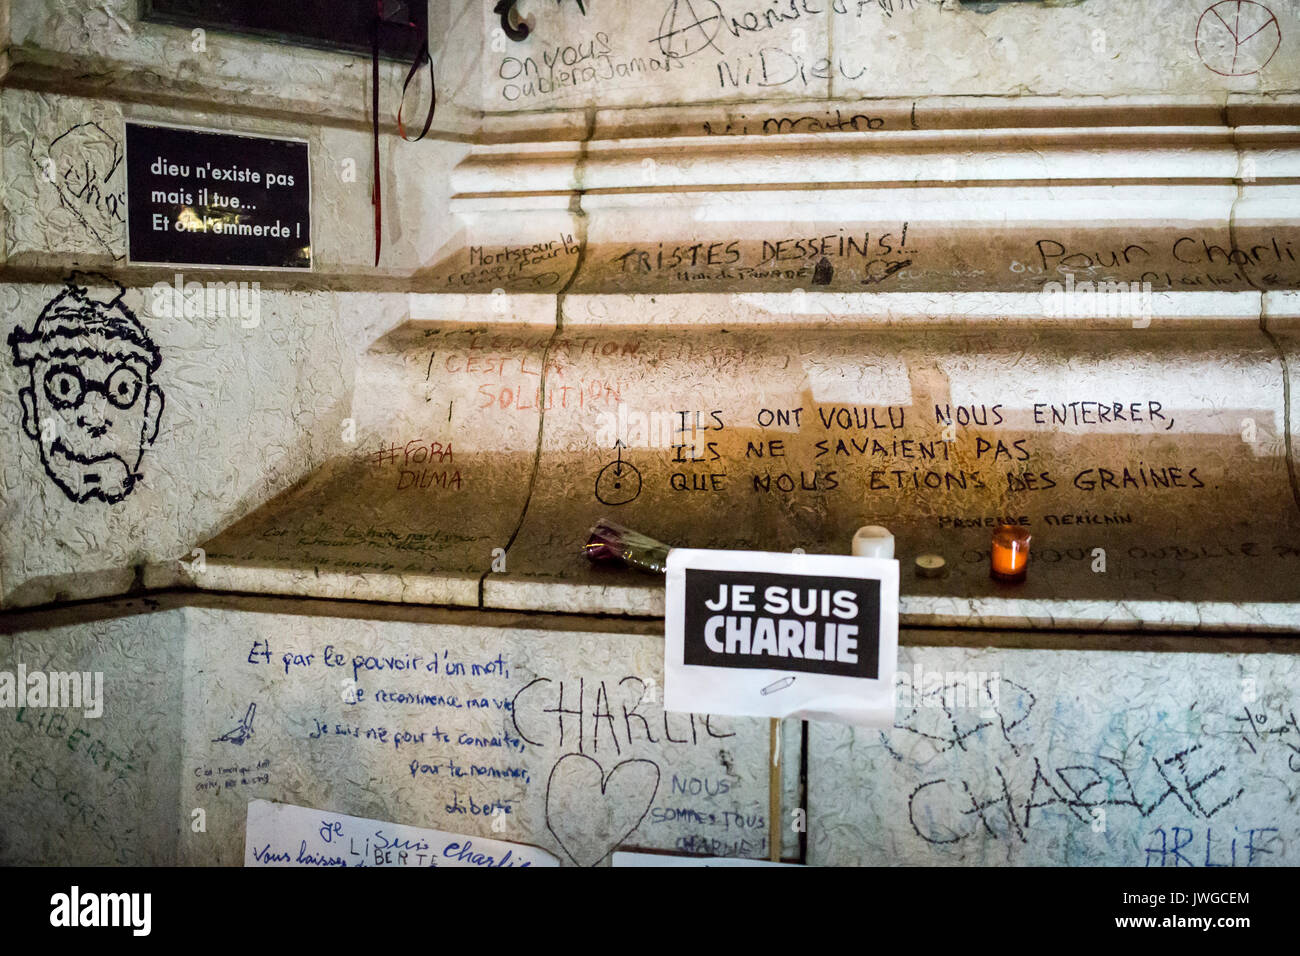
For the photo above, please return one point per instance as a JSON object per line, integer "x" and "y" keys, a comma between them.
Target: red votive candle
{"x": 1010, "y": 555}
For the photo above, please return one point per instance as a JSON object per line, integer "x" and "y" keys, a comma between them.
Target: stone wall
{"x": 771, "y": 262}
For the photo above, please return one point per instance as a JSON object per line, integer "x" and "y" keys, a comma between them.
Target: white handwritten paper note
{"x": 627, "y": 858}
{"x": 280, "y": 834}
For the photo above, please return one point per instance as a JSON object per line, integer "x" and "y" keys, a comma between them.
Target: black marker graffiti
{"x": 242, "y": 730}
{"x": 684, "y": 32}
{"x": 608, "y": 817}
{"x": 949, "y": 809}
{"x": 958, "y": 723}
{"x": 888, "y": 268}
{"x": 619, "y": 481}
{"x": 1261, "y": 734}
{"x": 90, "y": 403}
{"x": 84, "y": 164}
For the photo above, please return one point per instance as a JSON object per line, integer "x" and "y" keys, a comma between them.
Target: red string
{"x": 375, "y": 197}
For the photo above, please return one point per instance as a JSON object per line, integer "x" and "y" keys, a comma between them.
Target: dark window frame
{"x": 342, "y": 26}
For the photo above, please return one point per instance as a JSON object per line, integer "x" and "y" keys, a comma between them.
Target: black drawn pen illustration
{"x": 242, "y": 731}
{"x": 777, "y": 685}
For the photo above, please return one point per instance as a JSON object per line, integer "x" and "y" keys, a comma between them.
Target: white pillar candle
{"x": 873, "y": 541}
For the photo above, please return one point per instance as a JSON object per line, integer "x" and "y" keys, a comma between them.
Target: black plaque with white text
{"x": 217, "y": 199}
{"x": 793, "y": 622}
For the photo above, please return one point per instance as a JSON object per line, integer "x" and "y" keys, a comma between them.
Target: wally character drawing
{"x": 90, "y": 404}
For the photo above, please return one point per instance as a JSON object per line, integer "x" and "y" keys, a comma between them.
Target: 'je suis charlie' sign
{"x": 761, "y": 634}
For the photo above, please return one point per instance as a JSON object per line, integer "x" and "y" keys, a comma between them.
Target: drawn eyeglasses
{"x": 66, "y": 386}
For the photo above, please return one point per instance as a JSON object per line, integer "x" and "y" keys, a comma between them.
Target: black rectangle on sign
{"x": 795, "y": 622}
{"x": 218, "y": 199}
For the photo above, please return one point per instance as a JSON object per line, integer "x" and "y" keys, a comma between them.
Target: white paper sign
{"x": 280, "y": 834}
{"x": 762, "y": 634}
{"x": 628, "y": 858}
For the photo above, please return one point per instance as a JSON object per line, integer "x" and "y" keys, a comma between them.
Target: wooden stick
{"x": 774, "y": 789}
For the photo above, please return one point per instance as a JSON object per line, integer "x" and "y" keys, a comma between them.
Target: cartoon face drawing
{"x": 90, "y": 403}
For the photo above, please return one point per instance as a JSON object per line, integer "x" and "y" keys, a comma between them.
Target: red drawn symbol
{"x": 1237, "y": 37}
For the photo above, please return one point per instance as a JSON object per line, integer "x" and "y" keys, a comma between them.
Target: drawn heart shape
{"x": 591, "y": 812}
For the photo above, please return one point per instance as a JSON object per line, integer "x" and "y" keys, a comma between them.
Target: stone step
{"x": 1150, "y": 463}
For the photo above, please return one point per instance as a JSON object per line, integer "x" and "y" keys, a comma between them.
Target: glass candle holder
{"x": 1010, "y": 554}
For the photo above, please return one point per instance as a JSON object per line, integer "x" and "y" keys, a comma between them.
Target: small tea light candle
{"x": 930, "y": 565}
{"x": 873, "y": 541}
{"x": 1010, "y": 554}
